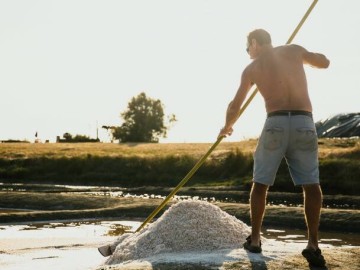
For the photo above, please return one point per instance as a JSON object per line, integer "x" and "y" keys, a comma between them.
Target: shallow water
{"x": 115, "y": 228}
{"x": 73, "y": 244}
{"x": 63, "y": 245}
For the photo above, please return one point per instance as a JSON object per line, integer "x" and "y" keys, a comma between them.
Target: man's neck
{"x": 265, "y": 48}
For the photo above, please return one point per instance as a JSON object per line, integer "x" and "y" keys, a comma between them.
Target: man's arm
{"x": 233, "y": 110}
{"x": 317, "y": 60}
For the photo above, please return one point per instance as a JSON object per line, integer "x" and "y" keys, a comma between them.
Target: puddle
{"x": 61, "y": 245}
{"x": 334, "y": 239}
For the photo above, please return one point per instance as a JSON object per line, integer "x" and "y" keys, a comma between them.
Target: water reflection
{"x": 116, "y": 228}
{"x": 112, "y": 228}
{"x": 54, "y": 225}
{"x": 299, "y": 236}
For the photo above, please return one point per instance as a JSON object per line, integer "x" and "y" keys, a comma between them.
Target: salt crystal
{"x": 187, "y": 226}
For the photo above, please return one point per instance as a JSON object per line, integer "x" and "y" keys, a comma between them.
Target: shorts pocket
{"x": 306, "y": 139}
{"x": 273, "y": 138}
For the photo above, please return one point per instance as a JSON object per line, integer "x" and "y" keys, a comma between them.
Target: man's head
{"x": 255, "y": 40}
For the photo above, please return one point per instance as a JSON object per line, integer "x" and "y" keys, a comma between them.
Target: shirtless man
{"x": 289, "y": 131}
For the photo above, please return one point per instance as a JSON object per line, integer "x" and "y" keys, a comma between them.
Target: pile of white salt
{"x": 187, "y": 226}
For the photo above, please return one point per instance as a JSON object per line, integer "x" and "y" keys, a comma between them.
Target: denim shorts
{"x": 293, "y": 137}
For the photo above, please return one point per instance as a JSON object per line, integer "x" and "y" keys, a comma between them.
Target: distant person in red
{"x": 289, "y": 131}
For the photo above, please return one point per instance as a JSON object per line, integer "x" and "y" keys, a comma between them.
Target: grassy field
{"x": 129, "y": 165}
{"x": 328, "y": 148}
{"x": 76, "y": 150}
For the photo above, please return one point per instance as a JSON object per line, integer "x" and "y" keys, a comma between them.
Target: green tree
{"x": 143, "y": 121}
{"x": 67, "y": 136}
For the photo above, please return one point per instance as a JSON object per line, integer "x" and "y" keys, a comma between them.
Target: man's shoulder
{"x": 250, "y": 67}
{"x": 290, "y": 47}
{"x": 292, "y": 51}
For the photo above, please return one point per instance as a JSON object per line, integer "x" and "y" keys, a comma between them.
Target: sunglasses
{"x": 247, "y": 48}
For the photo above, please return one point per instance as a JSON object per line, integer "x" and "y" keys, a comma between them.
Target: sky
{"x": 74, "y": 65}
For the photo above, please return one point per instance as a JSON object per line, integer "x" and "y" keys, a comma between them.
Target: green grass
{"x": 130, "y": 165}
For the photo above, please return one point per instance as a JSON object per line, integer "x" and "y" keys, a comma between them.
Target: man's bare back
{"x": 280, "y": 77}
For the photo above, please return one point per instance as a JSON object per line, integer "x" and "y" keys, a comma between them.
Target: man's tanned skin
{"x": 280, "y": 77}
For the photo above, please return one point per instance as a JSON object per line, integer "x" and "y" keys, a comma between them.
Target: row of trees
{"x": 67, "y": 137}
{"x": 143, "y": 121}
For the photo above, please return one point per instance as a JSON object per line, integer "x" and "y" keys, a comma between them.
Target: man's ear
{"x": 254, "y": 42}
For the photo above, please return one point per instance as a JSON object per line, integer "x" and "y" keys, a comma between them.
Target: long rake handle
{"x": 183, "y": 182}
{"x": 202, "y": 160}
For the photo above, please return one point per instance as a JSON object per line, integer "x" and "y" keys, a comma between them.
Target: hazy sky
{"x": 73, "y": 65}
